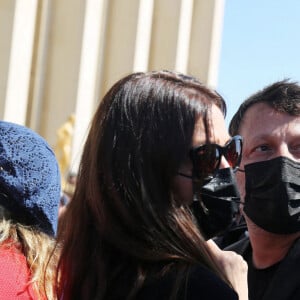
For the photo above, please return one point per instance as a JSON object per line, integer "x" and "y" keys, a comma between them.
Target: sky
{"x": 260, "y": 45}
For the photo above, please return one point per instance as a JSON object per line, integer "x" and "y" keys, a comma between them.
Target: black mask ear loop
{"x": 242, "y": 171}
{"x": 198, "y": 183}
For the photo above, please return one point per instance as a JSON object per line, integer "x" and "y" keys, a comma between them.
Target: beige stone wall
{"x": 6, "y": 24}
{"x": 58, "y": 57}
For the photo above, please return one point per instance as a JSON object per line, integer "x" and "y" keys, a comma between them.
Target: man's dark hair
{"x": 283, "y": 96}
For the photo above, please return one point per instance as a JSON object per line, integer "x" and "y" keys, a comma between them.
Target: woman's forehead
{"x": 216, "y": 128}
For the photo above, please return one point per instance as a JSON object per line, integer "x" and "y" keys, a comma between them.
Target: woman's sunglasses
{"x": 207, "y": 158}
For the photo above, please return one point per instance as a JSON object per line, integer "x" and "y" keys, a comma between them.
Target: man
{"x": 269, "y": 183}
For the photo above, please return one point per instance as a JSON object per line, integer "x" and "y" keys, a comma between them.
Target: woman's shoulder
{"x": 198, "y": 283}
{"x": 202, "y": 281}
{"x": 14, "y": 274}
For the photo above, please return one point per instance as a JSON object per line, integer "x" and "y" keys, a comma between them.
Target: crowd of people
{"x": 167, "y": 203}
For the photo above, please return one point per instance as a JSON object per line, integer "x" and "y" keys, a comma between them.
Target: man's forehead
{"x": 263, "y": 117}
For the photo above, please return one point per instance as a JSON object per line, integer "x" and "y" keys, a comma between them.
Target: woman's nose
{"x": 224, "y": 163}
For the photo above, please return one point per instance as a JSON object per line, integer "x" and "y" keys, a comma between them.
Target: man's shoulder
{"x": 296, "y": 247}
{"x": 293, "y": 255}
{"x": 236, "y": 232}
{"x": 288, "y": 268}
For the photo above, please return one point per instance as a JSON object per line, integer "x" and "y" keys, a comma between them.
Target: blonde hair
{"x": 39, "y": 251}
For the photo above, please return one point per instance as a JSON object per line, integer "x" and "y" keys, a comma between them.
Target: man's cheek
{"x": 240, "y": 180}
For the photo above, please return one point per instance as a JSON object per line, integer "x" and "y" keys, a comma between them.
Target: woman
{"x": 29, "y": 199}
{"x": 131, "y": 229}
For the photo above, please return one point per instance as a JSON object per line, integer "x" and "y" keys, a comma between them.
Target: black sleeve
{"x": 200, "y": 284}
{"x": 203, "y": 284}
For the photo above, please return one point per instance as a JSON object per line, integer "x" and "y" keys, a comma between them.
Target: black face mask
{"x": 272, "y": 198}
{"x": 216, "y": 203}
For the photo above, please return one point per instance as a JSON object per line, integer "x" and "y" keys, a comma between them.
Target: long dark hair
{"x": 124, "y": 223}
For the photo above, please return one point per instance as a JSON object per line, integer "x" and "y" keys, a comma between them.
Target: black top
{"x": 201, "y": 284}
{"x": 278, "y": 282}
{"x": 259, "y": 280}
{"x": 234, "y": 233}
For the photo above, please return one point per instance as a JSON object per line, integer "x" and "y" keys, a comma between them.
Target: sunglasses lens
{"x": 206, "y": 160}
{"x": 233, "y": 152}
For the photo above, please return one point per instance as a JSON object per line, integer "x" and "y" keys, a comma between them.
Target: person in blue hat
{"x": 29, "y": 201}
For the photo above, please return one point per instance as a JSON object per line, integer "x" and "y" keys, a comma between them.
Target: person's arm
{"x": 235, "y": 268}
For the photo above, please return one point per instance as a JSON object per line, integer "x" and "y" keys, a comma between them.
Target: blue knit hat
{"x": 29, "y": 178}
